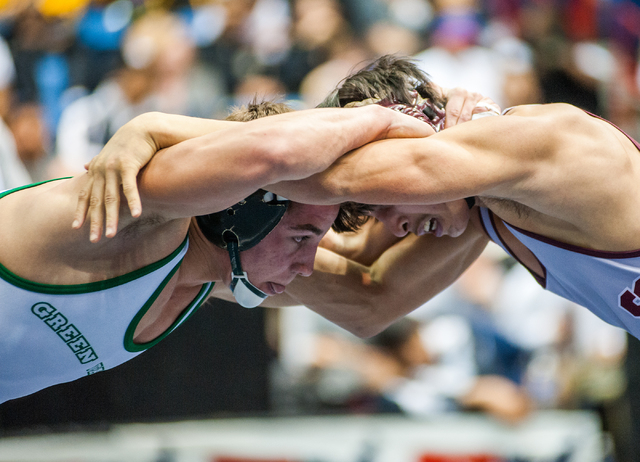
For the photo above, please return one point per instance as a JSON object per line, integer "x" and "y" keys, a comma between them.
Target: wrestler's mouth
{"x": 432, "y": 226}
{"x": 274, "y": 288}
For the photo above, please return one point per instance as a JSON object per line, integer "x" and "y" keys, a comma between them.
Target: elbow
{"x": 366, "y": 331}
{"x": 373, "y": 318}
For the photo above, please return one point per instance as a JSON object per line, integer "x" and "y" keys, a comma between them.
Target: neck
{"x": 204, "y": 261}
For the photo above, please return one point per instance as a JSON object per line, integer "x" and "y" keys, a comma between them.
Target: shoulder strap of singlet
{"x": 485, "y": 219}
{"x": 636, "y": 143}
{"x": 501, "y": 233}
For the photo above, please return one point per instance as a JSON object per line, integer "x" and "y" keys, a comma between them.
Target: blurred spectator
{"x": 160, "y": 74}
{"x": 99, "y": 33}
{"x": 418, "y": 370}
{"x": 32, "y": 142}
{"x": 324, "y": 48}
{"x": 455, "y": 58}
{"x": 258, "y": 87}
{"x": 7, "y": 78}
{"x": 12, "y": 171}
{"x": 228, "y": 50}
{"x": 385, "y": 38}
{"x": 40, "y": 38}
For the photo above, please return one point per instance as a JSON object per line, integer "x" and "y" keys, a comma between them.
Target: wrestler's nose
{"x": 395, "y": 222}
{"x": 304, "y": 264}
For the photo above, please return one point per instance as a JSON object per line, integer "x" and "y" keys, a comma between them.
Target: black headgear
{"x": 247, "y": 222}
{"x": 240, "y": 227}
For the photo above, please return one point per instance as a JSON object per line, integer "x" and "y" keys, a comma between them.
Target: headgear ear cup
{"x": 240, "y": 227}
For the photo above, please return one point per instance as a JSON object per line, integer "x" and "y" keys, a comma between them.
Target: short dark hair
{"x": 351, "y": 216}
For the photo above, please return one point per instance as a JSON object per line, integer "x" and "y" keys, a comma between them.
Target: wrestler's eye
{"x": 300, "y": 239}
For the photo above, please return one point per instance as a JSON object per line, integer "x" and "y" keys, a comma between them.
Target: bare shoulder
{"x": 560, "y": 118}
{"x": 584, "y": 191}
{"x": 544, "y": 110}
{"x": 40, "y": 244}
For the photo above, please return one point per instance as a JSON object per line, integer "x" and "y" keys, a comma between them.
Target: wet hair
{"x": 351, "y": 216}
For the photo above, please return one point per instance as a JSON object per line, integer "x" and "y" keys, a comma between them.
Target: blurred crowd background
{"x": 73, "y": 71}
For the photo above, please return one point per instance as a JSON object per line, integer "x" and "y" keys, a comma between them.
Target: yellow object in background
{"x": 11, "y": 6}
{"x": 58, "y": 7}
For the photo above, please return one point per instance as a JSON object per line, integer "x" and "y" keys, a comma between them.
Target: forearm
{"x": 162, "y": 130}
{"x": 486, "y": 156}
{"x": 307, "y": 142}
{"x": 379, "y": 173}
{"x": 363, "y": 246}
{"x": 366, "y": 299}
{"x": 210, "y": 172}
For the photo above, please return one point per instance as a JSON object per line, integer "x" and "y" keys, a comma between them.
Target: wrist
{"x": 153, "y": 128}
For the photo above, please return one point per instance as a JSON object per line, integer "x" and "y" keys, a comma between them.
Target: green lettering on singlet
{"x": 78, "y": 344}
{"x": 87, "y": 356}
{"x": 42, "y": 310}
{"x": 66, "y": 331}
{"x": 69, "y": 333}
{"x": 56, "y": 321}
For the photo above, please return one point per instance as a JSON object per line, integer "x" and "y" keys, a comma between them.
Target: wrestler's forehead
{"x": 407, "y": 209}
{"x": 310, "y": 217}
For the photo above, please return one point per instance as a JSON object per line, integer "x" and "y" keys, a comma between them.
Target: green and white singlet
{"x": 51, "y": 334}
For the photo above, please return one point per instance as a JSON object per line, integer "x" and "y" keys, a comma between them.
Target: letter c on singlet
{"x": 42, "y": 310}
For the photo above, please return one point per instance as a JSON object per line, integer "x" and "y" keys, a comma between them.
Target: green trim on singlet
{"x": 132, "y": 347}
{"x": 97, "y": 286}
{"x": 32, "y": 185}
{"x": 54, "y": 289}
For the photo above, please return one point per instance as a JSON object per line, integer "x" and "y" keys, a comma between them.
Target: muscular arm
{"x": 364, "y": 246}
{"x": 210, "y": 172}
{"x": 365, "y": 299}
{"x": 495, "y": 156}
{"x": 138, "y": 141}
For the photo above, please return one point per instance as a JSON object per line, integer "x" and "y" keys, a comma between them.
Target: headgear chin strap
{"x": 246, "y": 294}
{"x": 239, "y": 228}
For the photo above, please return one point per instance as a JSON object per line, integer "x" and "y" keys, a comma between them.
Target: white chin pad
{"x": 245, "y": 296}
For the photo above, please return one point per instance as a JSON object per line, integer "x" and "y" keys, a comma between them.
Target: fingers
{"x": 99, "y": 198}
{"x": 130, "y": 189}
{"x": 83, "y": 204}
{"x": 111, "y": 202}
{"x": 405, "y": 126}
{"x": 96, "y": 212}
{"x": 460, "y": 106}
{"x": 486, "y": 106}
